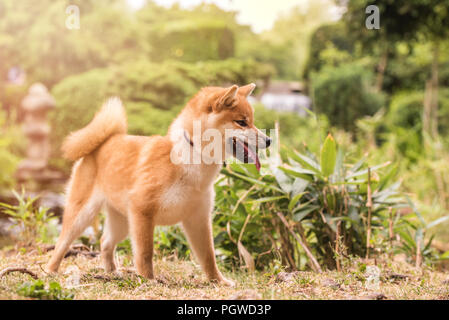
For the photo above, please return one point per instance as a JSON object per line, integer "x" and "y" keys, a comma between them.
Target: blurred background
{"x": 382, "y": 93}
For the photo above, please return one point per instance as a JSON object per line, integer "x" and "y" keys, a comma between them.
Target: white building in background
{"x": 286, "y": 96}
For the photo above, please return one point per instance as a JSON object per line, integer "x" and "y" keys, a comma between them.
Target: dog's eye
{"x": 241, "y": 123}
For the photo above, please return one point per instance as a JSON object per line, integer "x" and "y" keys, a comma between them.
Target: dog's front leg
{"x": 142, "y": 230}
{"x": 198, "y": 229}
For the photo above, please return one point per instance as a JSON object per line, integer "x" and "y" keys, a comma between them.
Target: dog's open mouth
{"x": 244, "y": 152}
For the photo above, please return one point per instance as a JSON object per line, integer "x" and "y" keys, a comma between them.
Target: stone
{"x": 34, "y": 168}
{"x": 246, "y": 295}
{"x": 330, "y": 283}
{"x": 286, "y": 276}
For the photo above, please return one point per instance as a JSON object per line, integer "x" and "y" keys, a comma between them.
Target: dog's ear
{"x": 228, "y": 98}
{"x": 247, "y": 90}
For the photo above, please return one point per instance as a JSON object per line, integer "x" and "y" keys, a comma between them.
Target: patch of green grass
{"x": 40, "y": 290}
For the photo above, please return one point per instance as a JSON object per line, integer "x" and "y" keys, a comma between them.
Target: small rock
{"x": 397, "y": 276}
{"x": 74, "y": 277}
{"x": 246, "y": 295}
{"x": 377, "y": 296}
{"x": 330, "y": 283}
{"x": 372, "y": 276}
{"x": 286, "y": 276}
{"x": 162, "y": 279}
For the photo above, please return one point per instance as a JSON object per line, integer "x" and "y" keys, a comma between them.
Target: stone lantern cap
{"x": 38, "y": 99}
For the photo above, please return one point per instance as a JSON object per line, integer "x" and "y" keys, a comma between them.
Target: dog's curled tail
{"x": 110, "y": 120}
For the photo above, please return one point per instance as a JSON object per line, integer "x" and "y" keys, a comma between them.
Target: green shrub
{"x": 39, "y": 290}
{"x": 36, "y": 224}
{"x": 344, "y": 94}
{"x": 316, "y": 195}
{"x": 146, "y": 120}
{"x": 404, "y": 122}
{"x": 77, "y": 99}
{"x": 8, "y": 159}
{"x": 326, "y": 37}
{"x": 295, "y": 131}
{"x": 192, "y": 40}
{"x": 406, "y": 110}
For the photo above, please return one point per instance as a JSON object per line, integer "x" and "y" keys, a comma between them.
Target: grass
{"x": 81, "y": 277}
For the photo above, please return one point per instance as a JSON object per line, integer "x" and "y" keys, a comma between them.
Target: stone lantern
{"x": 34, "y": 168}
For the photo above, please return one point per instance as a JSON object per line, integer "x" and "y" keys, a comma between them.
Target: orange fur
{"x": 110, "y": 120}
{"x": 134, "y": 178}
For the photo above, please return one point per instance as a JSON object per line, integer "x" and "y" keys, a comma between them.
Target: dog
{"x": 142, "y": 181}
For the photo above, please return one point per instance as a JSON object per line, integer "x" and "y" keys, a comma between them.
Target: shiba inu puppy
{"x": 142, "y": 181}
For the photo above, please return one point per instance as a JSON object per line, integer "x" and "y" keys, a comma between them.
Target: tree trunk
{"x": 434, "y": 103}
{"x": 430, "y": 112}
{"x": 427, "y": 109}
{"x": 381, "y": 70}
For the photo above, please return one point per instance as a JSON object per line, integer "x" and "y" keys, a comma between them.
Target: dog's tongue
{"x": 253, "y": 155}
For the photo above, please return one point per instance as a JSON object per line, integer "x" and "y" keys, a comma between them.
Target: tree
{"x": 403, "y": 20}
{"x": 398, "y": 22}
{"x": 36, "y": 38}
{"x": 293, "y": 31}
{"x": 329, "y": 37}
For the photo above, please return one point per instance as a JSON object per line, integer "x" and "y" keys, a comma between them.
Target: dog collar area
{"x": 191, "y": 143}
{"x": 187, "y": 138}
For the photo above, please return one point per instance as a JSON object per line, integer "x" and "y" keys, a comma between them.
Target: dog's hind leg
{"x": 83, "y": 204}
{"x": 115, "y": 230}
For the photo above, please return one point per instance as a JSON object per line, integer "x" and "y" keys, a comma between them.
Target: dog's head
{"x": 228, "y": 111}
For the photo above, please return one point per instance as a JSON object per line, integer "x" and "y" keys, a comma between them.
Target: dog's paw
{"x": 220, "y": 280}
{"x": 49, "y": 270}
{"x": 227, "y": 282}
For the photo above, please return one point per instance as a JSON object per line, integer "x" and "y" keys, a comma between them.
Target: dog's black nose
{"x": 268, "y": 141}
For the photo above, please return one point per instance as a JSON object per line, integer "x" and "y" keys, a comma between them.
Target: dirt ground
{"x": 82, "y": 278}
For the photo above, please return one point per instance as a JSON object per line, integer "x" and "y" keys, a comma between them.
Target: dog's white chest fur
{"x": 193, "y": 192}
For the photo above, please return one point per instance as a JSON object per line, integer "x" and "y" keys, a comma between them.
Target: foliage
{"x": 413, "y": 234}
{"x": 25, "y": 28}
{"x": 205, "y": 32}
{"x": 34, "y": 223}
{"x": 326, "y": 38}
{"x": 193, "y": 40}
{"x": 400, "y": 20}
{"x": 344, "y": 94}
{"x": 427, "y": 179}
{"x": 39, "y": 290}
{"x": 171, "y": 240}
{"x": 420, "y": 161}
{"x": 316, "y": 196}
{"x": 292, "y": 33}
{"x": 402, "y": 125}
{"x": 8, "y": 160}
{"x": 295, "y": 131}
{"x": 406, "y": 109}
